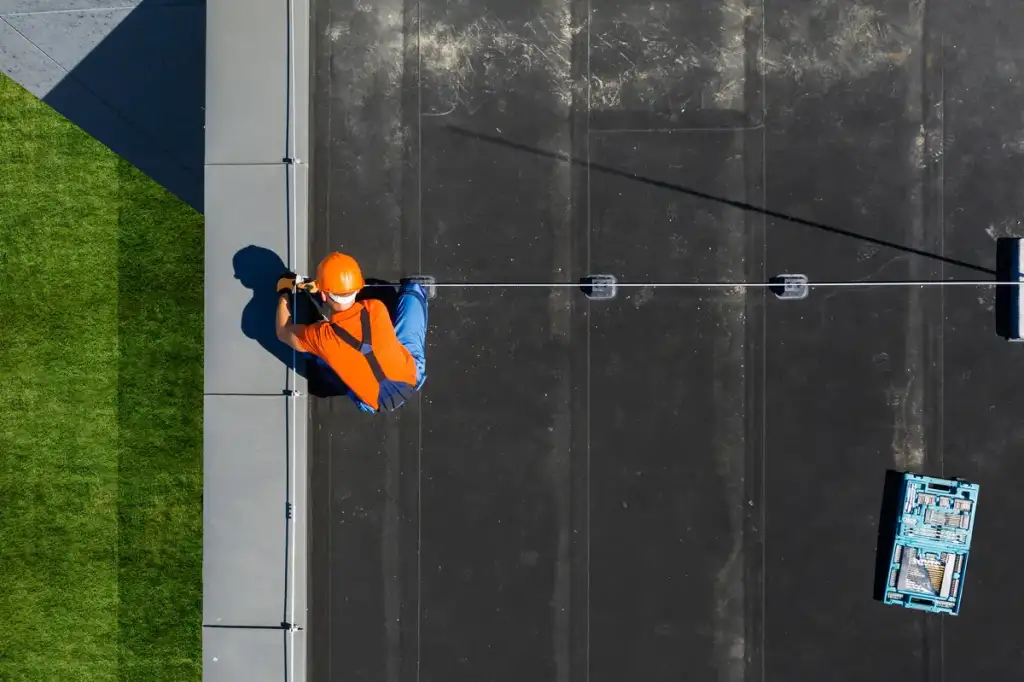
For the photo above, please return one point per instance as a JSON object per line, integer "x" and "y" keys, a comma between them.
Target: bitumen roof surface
{"x": 677, "y": 484}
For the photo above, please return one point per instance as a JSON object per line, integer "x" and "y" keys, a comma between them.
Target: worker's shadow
{"x": 888, "y": 516}
{"x": 258, "y": 268}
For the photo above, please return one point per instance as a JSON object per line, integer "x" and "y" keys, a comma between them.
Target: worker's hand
{"x": 286, "y": 283}
{"x": 307, "y": 284}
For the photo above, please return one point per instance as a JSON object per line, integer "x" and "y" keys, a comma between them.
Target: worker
{"x": 379, "y": 365}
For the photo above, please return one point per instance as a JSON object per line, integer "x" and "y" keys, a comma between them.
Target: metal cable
{"x": 718, "y": 285}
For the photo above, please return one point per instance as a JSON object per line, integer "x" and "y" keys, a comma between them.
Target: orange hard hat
{"x": 339, "y": 273}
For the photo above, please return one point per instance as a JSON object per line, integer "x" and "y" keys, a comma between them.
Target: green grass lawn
{"x": 101, "y": 357}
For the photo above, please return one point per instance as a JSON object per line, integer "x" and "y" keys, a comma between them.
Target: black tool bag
{"x": 391, "y": 394}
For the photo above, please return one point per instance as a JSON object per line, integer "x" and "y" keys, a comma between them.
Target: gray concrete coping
{"x": 256, "y": 187}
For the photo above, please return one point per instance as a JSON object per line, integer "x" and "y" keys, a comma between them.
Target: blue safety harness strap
{"x": 391, "y": 394}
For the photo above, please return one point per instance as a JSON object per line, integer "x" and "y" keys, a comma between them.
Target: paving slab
{"x": 69, "y": 37}
{"x": 257, "y": 655}
{"x": 60, "y": 6}
{"x": 26, "y": 64}
{"x": 247, "y": 247}
{"x": 245, "y": 497}
{"x": 247, "y": 116}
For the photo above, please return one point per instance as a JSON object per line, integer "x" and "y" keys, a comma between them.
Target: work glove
{"x": 289, "y": 282}
{"x": 286, "y": 283}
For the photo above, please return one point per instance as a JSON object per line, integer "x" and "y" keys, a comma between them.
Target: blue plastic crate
{"x": 932, "y": 544}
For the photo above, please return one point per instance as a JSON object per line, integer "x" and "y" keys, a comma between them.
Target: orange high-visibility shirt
{"x": 349, "y": 364}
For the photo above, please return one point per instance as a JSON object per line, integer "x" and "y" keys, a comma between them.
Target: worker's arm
{"x": 287, "y": 332}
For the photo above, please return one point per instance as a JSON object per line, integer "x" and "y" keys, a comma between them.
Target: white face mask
{"x": 343, "y": 300}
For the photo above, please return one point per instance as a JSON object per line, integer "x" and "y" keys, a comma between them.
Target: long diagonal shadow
{"x": 710, "y": 197}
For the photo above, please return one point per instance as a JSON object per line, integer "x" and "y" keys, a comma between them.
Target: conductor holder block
{"x": 428, "y": 283}
{"x": 789, "y": 287}
{"x": 599, "y": 287}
